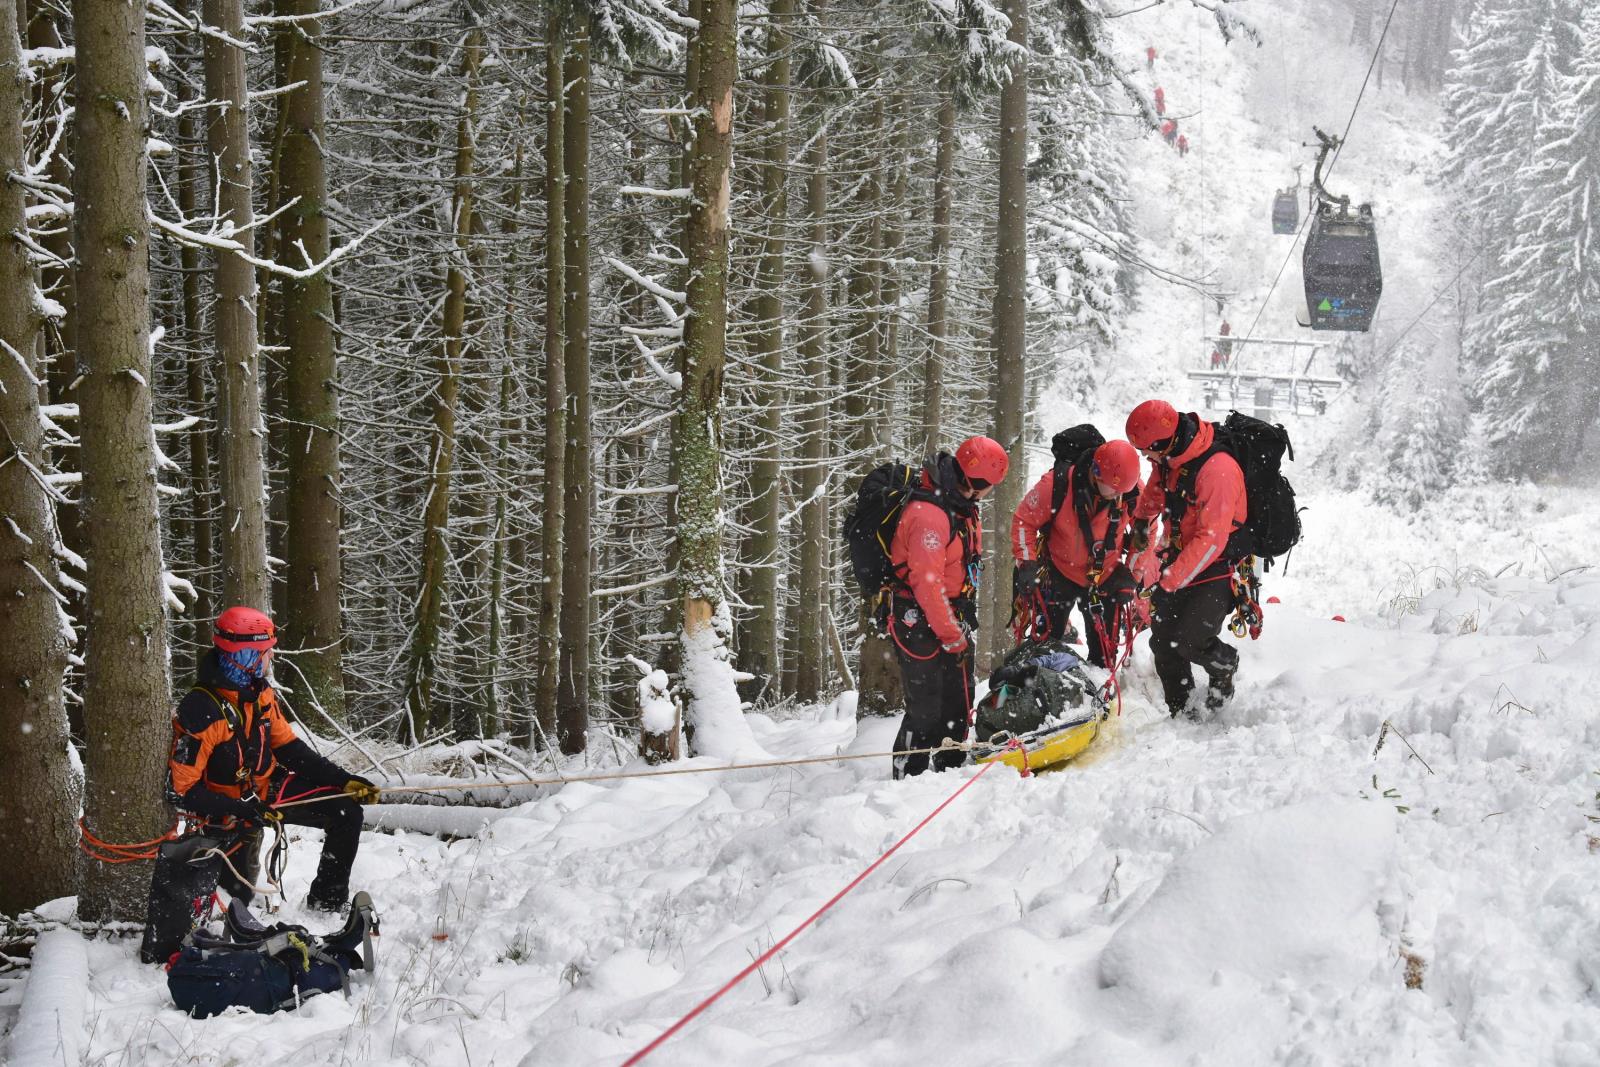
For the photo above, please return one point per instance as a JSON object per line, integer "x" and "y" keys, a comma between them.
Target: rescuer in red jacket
{"x": 1199, "y": 494}
{"x": 1073, "y": 555}
{"x": 936, "y": 552}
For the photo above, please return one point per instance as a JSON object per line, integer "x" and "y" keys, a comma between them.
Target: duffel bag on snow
{"x": 268, "y": 969}
{"x": 1039, "y": 684}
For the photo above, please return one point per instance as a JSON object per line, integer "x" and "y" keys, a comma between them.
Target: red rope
{"x": 792, "y": 934}
{"x": 108, "y": 852}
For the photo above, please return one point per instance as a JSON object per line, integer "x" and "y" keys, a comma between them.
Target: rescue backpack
{"x": 1273, "y": 525}
{"x": 268, "y": 969}
{"x": 870, "y": 523}
{"x": 1068, "y": 447}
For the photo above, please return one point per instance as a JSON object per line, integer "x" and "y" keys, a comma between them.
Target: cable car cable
{"x": 1444, "y": 289}
{"x": 1376, "y": 52}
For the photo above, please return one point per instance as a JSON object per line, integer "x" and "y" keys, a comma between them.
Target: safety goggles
{"x": 1158, "y": 449}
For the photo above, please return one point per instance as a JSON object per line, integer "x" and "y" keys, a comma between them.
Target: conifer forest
{"x": 521, "y": 358}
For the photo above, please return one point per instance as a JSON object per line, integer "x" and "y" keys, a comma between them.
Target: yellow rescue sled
{"x": 1041, "y": 710}
{"x": 1045, "y": 748}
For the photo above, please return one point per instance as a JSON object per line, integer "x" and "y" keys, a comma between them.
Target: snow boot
{"x": 1220, "y": 662}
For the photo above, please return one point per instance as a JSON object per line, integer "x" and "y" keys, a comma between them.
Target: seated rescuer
{"x": 233, "y": 758}
{"x": 1083, "y": 542}
{"x": 1194, "y": 595}
{"x": 936, "y": 552}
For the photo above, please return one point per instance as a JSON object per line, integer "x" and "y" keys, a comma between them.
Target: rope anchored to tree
{"x": 949, "y": 745}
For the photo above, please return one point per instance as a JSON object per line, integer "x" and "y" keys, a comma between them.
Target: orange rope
{"x": 107, "y": 852}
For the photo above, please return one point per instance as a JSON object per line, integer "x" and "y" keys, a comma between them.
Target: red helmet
{"x": 240, "y": 628}
{"x": 1116, "y": 466}
{"x": 982, "y": 459}
{"x": 1152, "y": 422}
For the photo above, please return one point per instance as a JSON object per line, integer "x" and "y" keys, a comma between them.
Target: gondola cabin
{"x": 1343, "y": 277}
{"x": 1285, "y": 212}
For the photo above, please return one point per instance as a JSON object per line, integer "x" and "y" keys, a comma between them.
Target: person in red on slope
{"x": 1150, "y": 57}
{"x": 1169, "y": 130}
{"x": 1074, "y": 555}
{"x": 1161, "y": 101}
{"x": 1183, "y": 145}
{"x": 1199, "y": 494}
{"x": 936, "y": 553}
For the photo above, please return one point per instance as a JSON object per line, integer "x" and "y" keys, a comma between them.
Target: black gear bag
{"x": 869, "y": 526}
{"x": 268, "y": 969}
{"x": 1068, "y": 447}
{"x": 1273, "y": 526}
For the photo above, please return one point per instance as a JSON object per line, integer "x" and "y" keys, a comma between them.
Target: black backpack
{"x": 1071, "y": 448}
{"x": 869, "y": 526}
{"x": 268, "y": 969}
{"x": 1273, "y": 525}
{"x": 1068, "y": 447}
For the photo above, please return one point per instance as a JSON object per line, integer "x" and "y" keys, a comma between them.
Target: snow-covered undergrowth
{"x": 1253, "y": 890}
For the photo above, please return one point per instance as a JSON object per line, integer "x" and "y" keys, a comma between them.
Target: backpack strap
{"x": 959, "y": 527}
{"x": 226, "y": 708}
{"x": 1084, "y": 505}
{"x": 1183, "y": 494}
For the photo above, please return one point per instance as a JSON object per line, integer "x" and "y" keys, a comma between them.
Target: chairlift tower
{"x": 1268, "y": 377}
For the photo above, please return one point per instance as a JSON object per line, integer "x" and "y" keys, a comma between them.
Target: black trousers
{"x": 1186, "y": 629}
{"x": 182, "y": 883}
{"x": 938, "y": 688}
{"x": 1061, "y": 595}
{"x": 339, "y": 819}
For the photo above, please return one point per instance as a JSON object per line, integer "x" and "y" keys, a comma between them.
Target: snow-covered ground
{"x": 1250, "y": 890}
{"x": 1269, "y": 887}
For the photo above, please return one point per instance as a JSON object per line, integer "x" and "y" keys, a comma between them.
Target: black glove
{"x": 1025, "y": 579}
{"x": 1139, "y": 536}
{"x": 1118, "y": 585}
{"x": 361, "y": 790}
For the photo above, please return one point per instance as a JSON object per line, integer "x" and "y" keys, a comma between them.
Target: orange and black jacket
{"x": 226, "y": 745}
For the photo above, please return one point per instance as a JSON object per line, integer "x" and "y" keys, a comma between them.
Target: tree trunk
{"x": 39, "y": 788}
{"x": 882, "y": 691}
{"x": 503, "y": 555}
{"x": 810, "y": 651}
{"x": 310, "y": 378}
{"x": 427, "y": 712}
{"x": 758, "y": 654}
{"x": 60, "y": 335}
{"x": 475, "y": 712}
{"x": 1010, "y": 324}
{"x": 555, "y": 382}
{"x": 713, "y": 703}
{"x": 896, "y": 171}
{"x": 944, "y": 175}
{"x": 877, "y": 675}
{"x": 244, "y": 528}
{"x": 201, "y": 500}
{"x": 863, "y": 399}
{"x": 125, "y": 677}
{"x": 572, "y": 698}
